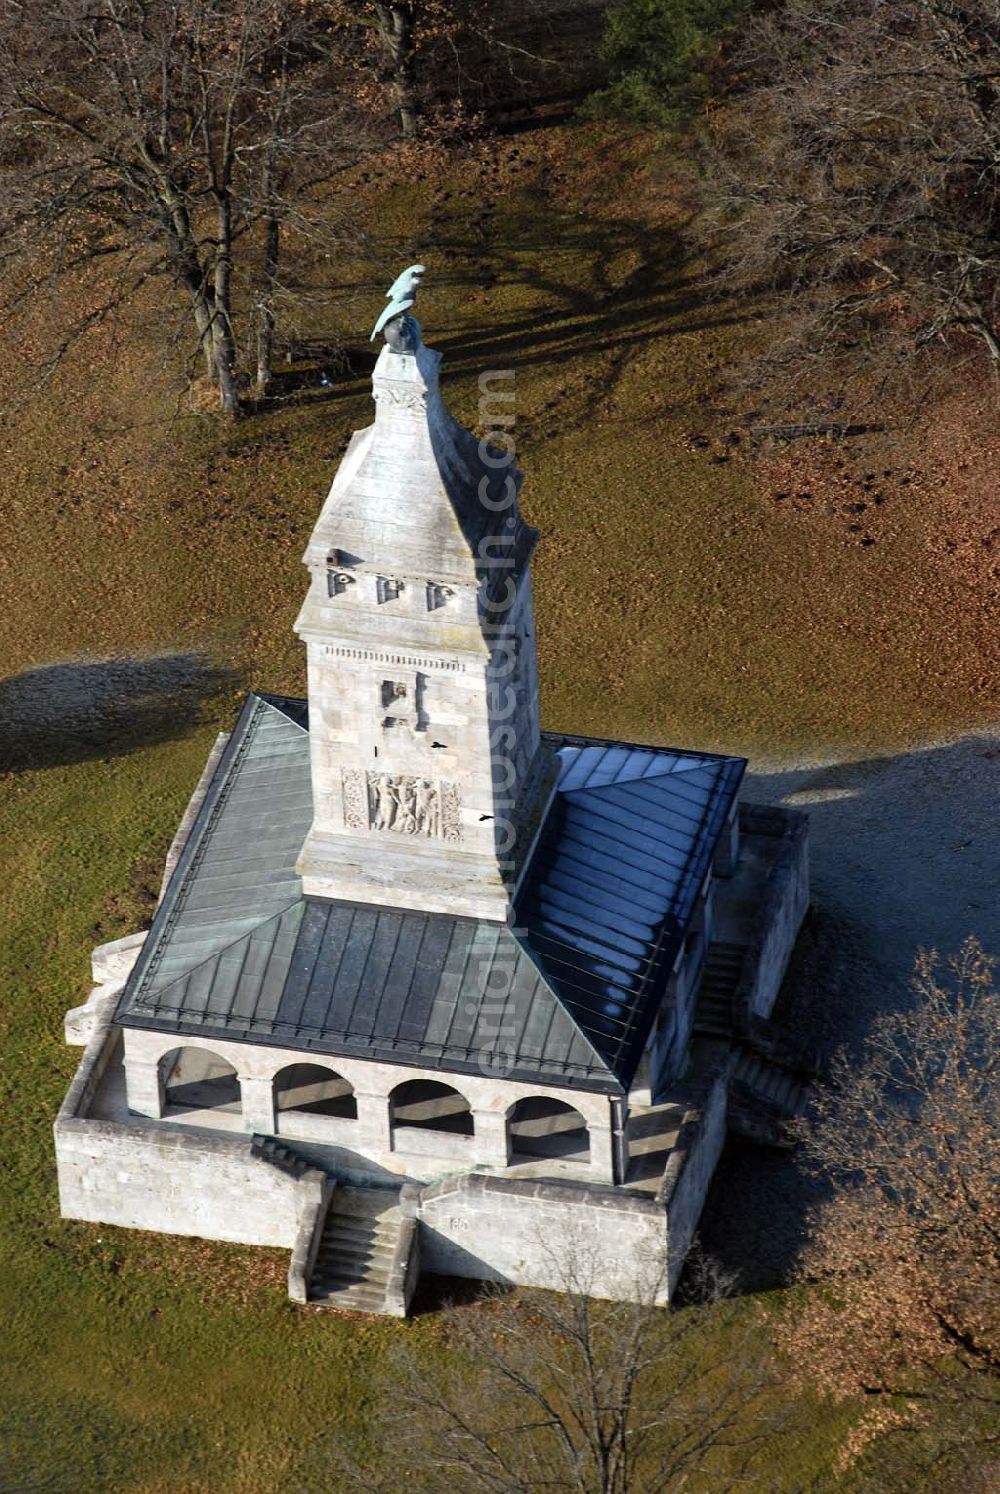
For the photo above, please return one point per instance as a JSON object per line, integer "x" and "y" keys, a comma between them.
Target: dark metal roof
{"x": 565, "y": 995}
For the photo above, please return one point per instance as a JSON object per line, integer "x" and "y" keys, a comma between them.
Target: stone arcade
{"x": 429, "y": 988}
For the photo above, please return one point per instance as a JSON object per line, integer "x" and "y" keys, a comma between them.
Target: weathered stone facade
{"x": 420, "y": 640}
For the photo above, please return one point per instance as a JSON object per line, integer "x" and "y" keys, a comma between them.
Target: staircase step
{"x": 351, "y": 1300}
{"x": 325, "y": 1270}
{"x": 327, "y": 1286}
{"x": 277, "y": 1155}
{"x": 770, "y": 1084}
{"x": 352, "y": 1286}
{"x": 366, "y": 1203}
{"x": 354, "y": 1260}
{"x": 344, "y": 1282}
{"x": 714, "y": 1012}
{"x": 361, "y": 1229}
{"x": 365, "y": 1260}
{"x": 335, "y": 1240}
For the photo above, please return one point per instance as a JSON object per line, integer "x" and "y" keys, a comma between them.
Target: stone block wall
{"x": 690, "y": 1169}
{"x": 782, "y": 909}
{"x": 493, "y": 1229}
{"x": 143, "y": 1176}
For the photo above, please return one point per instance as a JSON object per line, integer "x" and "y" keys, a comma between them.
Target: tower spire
{"x": 428, "y": 769}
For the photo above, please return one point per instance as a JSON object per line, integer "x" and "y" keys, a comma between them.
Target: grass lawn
{"x": 676, "y": 601}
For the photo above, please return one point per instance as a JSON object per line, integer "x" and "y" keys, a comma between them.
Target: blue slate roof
{"x": 565, "y": 995}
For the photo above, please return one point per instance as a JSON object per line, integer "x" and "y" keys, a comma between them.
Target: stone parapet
{"x": 780, "y": 912}
{"x": 404, "y": 1270}
{"x": 307, "y": 1240}
{"x": 688, "y": 1173}
{"x": 546, "y": 1233}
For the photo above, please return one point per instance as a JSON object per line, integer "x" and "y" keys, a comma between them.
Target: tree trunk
{"x": 396, "y": 25}
{"x": 203, "y": 321}
{"x": 223, "y": 344}
{"x": 187, "y": 263}
{"x": 265, "y": 329}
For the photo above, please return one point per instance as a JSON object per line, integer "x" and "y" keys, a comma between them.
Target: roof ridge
{"x": 570, "y": 739}
{"x": 224, "y": 949}
{"x": 547, "y": 982}
{"x": 277, "y": 703}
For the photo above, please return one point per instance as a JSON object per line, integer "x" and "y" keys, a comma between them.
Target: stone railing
{"x": 307, "y": 1240}
{"x": 101, "y": 1047}
{"x": 690, "y": 1166}
{"x": 780, "y": 912}
{"x": 405, "y": 1268}
{"x": 419, "y": 1141}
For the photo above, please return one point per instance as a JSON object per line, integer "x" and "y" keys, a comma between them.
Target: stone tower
{"x": 429, "y": 776}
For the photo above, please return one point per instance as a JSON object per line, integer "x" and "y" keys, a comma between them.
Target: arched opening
{"x": 195, "y": 1079}
{"x": 429, "y": 1106}
{"x": 539, "y": 1127}
{"x": 315, "y": 1090}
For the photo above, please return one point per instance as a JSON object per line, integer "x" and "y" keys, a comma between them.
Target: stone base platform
{"x": 201, "y": 1174}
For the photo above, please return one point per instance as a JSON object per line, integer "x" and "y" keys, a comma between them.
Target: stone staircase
{"x": 356, "y": 1249}
{"x": 282, "y": 1157}
{"x": 651, "y": 1133}
{"x": 714, "y": 1014}
{"x": 764, "y": 1096}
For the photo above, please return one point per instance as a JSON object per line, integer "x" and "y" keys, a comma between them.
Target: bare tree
{"x": 907, "y": 1250}
{"x": 856, "y": 168}
{"x": 143, "y": 138}
{"x": 396, "y": 22}
{"x": 563, "y": 1392}
{"x": 428, "y": 53}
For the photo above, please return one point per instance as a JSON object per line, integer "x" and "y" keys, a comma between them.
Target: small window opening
{"x": 389, "y": 588}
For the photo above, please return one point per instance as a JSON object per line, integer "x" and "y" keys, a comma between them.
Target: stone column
{"x": 374, "y": 1132}
{"x": 641, "y": 1092}
{"x": 144, "y": 1082}
{"x": 490, "y": 1143}
{"x": 602, "y": 1162}
{"x": 257, "y": 1097}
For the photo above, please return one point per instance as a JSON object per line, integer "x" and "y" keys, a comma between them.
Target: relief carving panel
{"x": 402, "y": 804}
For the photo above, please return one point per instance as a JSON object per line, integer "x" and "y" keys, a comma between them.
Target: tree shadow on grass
{"x": 571, "y": 314}
{"x": 68, "y": 713}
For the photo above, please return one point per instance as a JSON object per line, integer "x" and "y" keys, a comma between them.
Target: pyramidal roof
{"x": 237, "y": 951}
{"x": 415, "y": 484}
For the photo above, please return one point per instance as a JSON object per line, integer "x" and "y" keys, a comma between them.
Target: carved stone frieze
{"x": 356, "y": 815}
{"x": 399, "y": 397}
{"x": 403, "y": 804}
